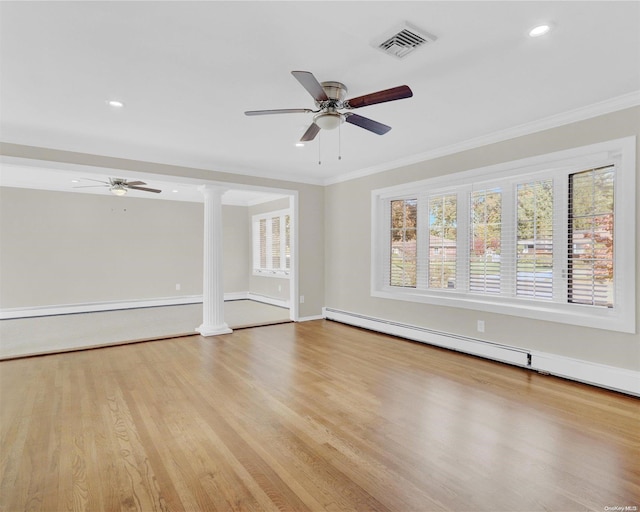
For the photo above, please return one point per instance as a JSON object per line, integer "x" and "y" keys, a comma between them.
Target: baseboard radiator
{"x": 617, "y": 379}
{"x": 456, "y": 342}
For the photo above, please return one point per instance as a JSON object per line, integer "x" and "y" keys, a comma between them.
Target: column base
{"x": 213, "y": 330}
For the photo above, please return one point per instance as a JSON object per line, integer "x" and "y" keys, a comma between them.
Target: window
{"x": 403, "y": 253}
{"x": 484, "y": 248}
{"x": 551, "y": 237}
{"x": 591, "y": 216}
{"x": 443, "y": 245}
{"x": 272, "y": 243}
{"x": 534, "y": 259}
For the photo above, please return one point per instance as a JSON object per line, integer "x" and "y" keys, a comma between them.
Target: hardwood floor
{"x": 310, "y": 416}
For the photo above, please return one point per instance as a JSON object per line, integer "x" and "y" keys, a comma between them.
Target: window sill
{"x": 272, "y": 273}
{"x": 573, "y": 314}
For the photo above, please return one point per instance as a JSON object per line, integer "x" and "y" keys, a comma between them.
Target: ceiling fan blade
{"x": 395, "y": 93}
{"x": 367, "y": 124}
{"x": 277, "y": 111}
{"x": 135, "y": 183}
{"x": 311, "y": 133}
{"x": 145, "y": 189}
{"x": 309, "y": 82}
{"x": 99, "y": 181}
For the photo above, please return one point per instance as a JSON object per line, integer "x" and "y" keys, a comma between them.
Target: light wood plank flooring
{"x": 310, "y": 416}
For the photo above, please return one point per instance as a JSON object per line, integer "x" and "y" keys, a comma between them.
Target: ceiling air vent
{"x": 404, "y": 41}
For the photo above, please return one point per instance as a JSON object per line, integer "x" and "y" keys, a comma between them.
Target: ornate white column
{"x": 212, "y": 286}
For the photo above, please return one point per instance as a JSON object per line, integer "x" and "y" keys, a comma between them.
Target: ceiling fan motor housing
{"x": 335, "y": 90}
{"x": 330, "y": 118}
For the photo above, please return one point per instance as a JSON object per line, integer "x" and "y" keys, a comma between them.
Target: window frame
{"x": 269, "y": 271}
{"x": 618, "y": 152}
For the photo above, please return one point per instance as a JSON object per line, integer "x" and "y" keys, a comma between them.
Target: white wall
{"x": 348, "y": 242}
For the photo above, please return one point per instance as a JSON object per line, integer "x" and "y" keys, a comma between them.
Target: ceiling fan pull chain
{"x": 340, "y": 141}
{"x": 319, "y": 157}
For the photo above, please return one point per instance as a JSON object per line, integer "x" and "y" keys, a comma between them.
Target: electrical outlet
{"x": 301, "y": 299}
{"x": 480, "y": 325}
{"x": 279, "y": 287}
{"x": 177, "y": 286}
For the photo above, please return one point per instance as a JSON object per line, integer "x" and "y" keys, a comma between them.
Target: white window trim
{"x": 621, "y": 317}
{"x": 282, "y": 273}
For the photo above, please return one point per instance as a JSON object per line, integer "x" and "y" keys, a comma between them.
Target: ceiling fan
{"x": 329, "y": 98}
{"x": 120, "y": 186}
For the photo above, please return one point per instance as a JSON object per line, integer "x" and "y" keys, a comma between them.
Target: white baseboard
{"x": 236, "y": 296}
{"x": 257, "y": 297}
{"x": 610, "y": 377}
{"x": 309, "y": 318}
{"x": 268, "y": 300}
{"x": 92, "y": 307}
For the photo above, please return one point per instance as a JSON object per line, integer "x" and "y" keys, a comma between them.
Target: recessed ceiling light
{"x": 115, "y": 103}
{"x": 174, "y": 191}
{"x": 299, "y": 144}
{"x": 75, "y": 181}
{"x": 539, "y": 30}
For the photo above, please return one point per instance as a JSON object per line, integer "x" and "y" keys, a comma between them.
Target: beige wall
{"x": 65, "y": 248}
{"x": 236, "y": 260}
{"x": 310, "y": 208}
{"x": 348, "y": 243}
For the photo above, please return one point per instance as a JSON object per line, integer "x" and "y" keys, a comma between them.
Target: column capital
{"x": 212, "y": 190}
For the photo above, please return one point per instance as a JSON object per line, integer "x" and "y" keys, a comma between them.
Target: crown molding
{"x": 622, "y": 102}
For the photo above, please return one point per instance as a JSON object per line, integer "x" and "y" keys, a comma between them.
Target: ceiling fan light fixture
{"x": 328, "y": 120}
{"x": 118, "y": 190}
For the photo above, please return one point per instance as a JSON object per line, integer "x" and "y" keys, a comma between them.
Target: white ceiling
{"x": 187, "y": 71}
{"x": 85, "y": 180}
